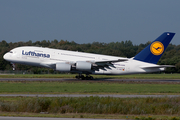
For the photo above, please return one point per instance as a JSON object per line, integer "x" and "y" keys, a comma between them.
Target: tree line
{"x": 121, "y": 49}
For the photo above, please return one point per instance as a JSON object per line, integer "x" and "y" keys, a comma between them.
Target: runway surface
{"x": 40, "y": 118}
{"x": 84, "y": 95}
{"x": 102, "y": 79}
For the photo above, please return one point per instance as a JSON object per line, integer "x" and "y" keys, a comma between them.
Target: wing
{"x": 106, "y": 64}
{"x": 96, "y": 65}
{"x": 101, "y": 65}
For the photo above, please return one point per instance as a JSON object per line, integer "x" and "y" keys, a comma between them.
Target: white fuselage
{"x": 47, "y": 57}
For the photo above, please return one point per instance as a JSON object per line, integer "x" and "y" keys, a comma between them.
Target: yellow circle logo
{"x": 157, "y": 48}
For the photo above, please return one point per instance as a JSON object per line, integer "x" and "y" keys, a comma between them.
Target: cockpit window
{"x": 10, "y": 51}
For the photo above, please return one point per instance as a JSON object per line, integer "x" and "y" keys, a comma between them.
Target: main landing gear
{"x": 82, "y": 77}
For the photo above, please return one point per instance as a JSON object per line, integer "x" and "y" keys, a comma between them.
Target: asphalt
{"x": 41, "y": 118}
{"x": 85, "y": 95}
{"x": 99, "y": 79}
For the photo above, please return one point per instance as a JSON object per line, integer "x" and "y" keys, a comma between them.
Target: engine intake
{"x": 82, "y": 65}
{"x": 63, "y": 67}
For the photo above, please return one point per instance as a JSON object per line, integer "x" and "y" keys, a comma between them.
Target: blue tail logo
{"x": 153, "y": 52}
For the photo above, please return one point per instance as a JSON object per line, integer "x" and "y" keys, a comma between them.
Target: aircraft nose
{"x": 6, "y": 56}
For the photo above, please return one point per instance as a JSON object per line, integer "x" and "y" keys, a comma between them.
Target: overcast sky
{"x": 87, "y": 21}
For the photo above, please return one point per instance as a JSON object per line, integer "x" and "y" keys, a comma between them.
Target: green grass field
{"x": 86, "y": 87}
{"x": 90, "y": 87}
{"x": 91, "y": 107}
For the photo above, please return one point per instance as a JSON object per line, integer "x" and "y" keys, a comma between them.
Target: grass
{"x": 136, "y": 76}
{"x": 87, "y": 87}
{"x": 86, "y": 115}
{"x": 37, "y": 76}
{"x": 92, "y": 106}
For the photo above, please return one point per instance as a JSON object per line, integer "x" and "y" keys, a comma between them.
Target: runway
{"x": 41, "y": 118}
{"x": 85, "y": 95}
{"x": 99, "y": 80}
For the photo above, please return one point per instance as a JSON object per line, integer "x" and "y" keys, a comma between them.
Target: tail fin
{"x": 153, "y": 52}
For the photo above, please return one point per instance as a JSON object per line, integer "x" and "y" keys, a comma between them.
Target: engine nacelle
{"x": 63, "y": 67}
{"x": 82, "y": 65}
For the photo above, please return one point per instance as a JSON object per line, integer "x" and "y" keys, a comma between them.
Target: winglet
{"x": 153, "y": 52}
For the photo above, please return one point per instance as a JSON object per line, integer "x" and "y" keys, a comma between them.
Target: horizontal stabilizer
{"x": 157, "y": 66}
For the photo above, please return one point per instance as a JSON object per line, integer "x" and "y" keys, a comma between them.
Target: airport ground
{"x": 38, "y": 118}
{"x": 161, "y": 101}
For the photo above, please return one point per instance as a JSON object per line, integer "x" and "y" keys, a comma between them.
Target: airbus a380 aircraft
{"x": 87, "y": 63}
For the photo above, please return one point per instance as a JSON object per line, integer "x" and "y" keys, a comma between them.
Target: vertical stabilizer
{"x": 153, "y": 52}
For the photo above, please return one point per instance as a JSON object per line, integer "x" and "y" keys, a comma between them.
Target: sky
{"x": 88, "y": 21}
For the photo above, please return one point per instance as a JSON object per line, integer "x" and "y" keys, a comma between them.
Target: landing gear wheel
{"x": 82, "y": 77}
{"x": 91, "y": 78}
{"x": 77, "y": 77}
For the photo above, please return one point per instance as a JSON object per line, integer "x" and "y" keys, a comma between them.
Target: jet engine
{"x": 63, "y": 67}
{"x": 82, "y": 65}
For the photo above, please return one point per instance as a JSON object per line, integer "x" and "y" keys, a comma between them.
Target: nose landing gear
{"x": 13, "y": 65}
